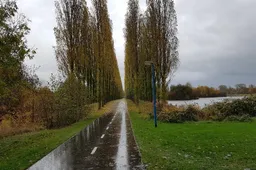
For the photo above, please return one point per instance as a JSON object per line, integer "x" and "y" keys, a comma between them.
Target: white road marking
{"x": 107, "y": 128}
{"x": 94, "y": 150}
{"x": 102, "y": 136}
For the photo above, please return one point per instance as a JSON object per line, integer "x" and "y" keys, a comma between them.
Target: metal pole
{"x": 154, "y": 93}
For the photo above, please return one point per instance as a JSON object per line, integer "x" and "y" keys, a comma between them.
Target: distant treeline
{"x": 187, "y": 92}
{"x": 238, "y": 89}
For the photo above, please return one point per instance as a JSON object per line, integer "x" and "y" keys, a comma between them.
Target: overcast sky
{"x": 217, "y": 39}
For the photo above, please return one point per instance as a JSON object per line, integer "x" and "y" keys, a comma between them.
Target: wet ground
{"x": 108, "y": 143}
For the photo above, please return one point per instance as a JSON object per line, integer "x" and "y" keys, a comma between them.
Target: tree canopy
{"x": 85, "y": 48}
{"x": 150, "y": 36}
{"x": 13, "y": 51}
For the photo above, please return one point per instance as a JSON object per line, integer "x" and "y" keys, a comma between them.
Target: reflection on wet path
{"x": 108, "y": 143}
{"x": 122, "y": 160}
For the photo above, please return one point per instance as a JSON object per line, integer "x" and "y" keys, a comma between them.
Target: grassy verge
{"x": 201, "y": 145}
{"x": 21, "y": 151}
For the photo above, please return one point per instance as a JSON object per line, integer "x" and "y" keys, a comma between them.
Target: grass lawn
{"x": 21, "y": 151}
{"x": 201, "y": 145}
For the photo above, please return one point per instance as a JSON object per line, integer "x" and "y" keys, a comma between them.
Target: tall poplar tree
{"x": 132, "y": 49}
{"x": 85, "y": 49}
{"x": 150, "y": 36}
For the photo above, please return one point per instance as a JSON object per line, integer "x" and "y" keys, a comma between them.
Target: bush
{"x": 17, "y": 124}
{"x": 192, "y": 113}
{"x": 236, "y": 110}
{"x": 243, "y": 118}
{"x": 70, "y": 102}
{"x": 175, "y": 114}
{"x": 45, "y": 107}
{"x": 221, "y": 110}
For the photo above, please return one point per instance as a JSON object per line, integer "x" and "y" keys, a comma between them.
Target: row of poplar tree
{"x": 85, "y": 49}
{"x": 86, "y": 58}
{"x": 150, "y": 36}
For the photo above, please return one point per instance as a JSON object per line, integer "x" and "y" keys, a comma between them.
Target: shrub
{"x": 70, "y": 102}
{"x": 229, "y": 110}
{"x": 45, "y": 107}
{"x": 242, "y": 118}
{"x": 175, "y": 114}
{"x": 145, "y": 109}
{"x": 17, "y": 124}
{"x": 191, "y": 113}
{"x": 64, "y": 106}
{"x": 221, "y": 110}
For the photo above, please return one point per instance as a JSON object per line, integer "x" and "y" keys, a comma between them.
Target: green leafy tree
{"x": 13, "y": 51}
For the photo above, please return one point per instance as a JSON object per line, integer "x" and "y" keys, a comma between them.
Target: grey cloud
{"x": 217, "y": 39}
{"x": 42, "y": 17}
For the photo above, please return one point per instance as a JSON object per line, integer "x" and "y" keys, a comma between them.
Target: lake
{"x": 202, "y": 102}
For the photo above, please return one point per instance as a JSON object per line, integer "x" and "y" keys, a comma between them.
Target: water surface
{"x": 202, "y": 102}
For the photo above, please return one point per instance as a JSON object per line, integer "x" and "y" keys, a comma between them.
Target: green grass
{"x": 201, "y": 145}
{"x": 21, "y": 151}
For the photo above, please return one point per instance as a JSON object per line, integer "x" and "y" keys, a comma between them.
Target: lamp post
{"x": 150, "y": 63}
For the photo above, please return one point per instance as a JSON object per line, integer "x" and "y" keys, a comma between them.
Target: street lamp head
{"x": 148, "y": 63}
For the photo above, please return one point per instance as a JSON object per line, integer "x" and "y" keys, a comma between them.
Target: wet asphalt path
{"x": 108, "y": 143}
